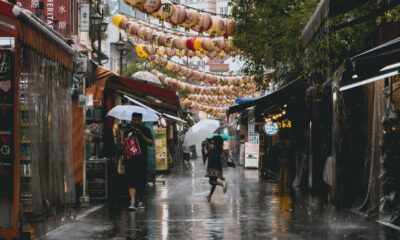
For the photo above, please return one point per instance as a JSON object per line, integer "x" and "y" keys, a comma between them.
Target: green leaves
{"x": 268, "y": 36}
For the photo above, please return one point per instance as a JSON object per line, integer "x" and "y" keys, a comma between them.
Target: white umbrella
{"x": 124, "y": 112}
{"x": 200, "y": 131}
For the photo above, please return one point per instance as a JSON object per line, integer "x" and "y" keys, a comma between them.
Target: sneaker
{"x": 132, "y": 207}
{"x": 208, "y": 199}
{"x": 225, "y": 186}
{"x": 140, "y": 205}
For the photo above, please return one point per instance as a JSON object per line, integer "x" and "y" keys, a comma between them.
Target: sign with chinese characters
{"x": 85, "y": 23}
{"x": 285, "y": 123}
{"x": 55, "y": 13}
{"x": 271, "y": 128}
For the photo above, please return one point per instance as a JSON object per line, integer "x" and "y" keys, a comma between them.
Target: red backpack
{"x": 131, "y": 147}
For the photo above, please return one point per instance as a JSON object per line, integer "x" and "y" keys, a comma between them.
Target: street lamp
{"x": 103, "y": 26}
{"x": 100, "y": 26}
{"x": 96, "y": 19}
{"x": 121, "y": 48}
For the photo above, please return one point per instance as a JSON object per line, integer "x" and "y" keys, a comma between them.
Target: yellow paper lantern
{"x": 134, "y": 3}
{"x": 198, "y": 44}
{"x": 141, "y": 52}
{"x": 116, "y": 19}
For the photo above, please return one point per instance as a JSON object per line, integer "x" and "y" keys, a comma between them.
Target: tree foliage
{"x": 269, "y": 33}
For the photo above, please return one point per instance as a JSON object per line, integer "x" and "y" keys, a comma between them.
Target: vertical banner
{"x": 84, "y": 18}
{"x": 55, "y": 13}
{"x": 161, "y": 149}
{"x": 6, "y": 137}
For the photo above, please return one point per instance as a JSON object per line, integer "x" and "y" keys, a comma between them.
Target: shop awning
{"x": 378, "y": 63}
{"x": 285, "y": 93}
{"x": 161, "y": 99}
{"x": 325, "y": 9}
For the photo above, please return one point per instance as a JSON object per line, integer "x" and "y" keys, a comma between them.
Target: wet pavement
{"x": 251, "y": 209}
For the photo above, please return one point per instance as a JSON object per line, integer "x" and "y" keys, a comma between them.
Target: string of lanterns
{"x": 236, "y": 91}
{"x": 205, "y": 108}
{"x": 197, "y": 46}
{"x": 163, "y": 28}
{"x": 215, "y": 100}
{"x": 187, "y": 18}
{"x": 199, "y": 76}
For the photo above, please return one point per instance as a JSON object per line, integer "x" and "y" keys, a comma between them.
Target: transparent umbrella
{"x": 200, "y": 131}
{"x": 124, "y": 112}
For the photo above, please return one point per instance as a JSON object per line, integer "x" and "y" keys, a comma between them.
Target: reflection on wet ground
{"x": 251, "y": 209}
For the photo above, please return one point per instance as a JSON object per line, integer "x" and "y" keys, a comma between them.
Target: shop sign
{"x": 271, "y": 128}
{"x": 84, "y": 17}
{"x": 56, "y": 13}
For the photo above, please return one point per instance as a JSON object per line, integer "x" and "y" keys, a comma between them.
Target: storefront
{"x": 275, "y": 128}
{"x": 36, "y": 169}
{"x": 366, "y": 133}
{"x": 104, "y": 139}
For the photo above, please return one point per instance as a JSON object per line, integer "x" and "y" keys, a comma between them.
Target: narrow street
{"x": 251, "y": 209}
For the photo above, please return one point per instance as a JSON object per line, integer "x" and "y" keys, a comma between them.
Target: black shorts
{"x": 135, "y": 173}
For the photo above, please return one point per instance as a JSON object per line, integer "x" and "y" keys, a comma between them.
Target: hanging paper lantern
{"x": 180, "y": 42}
{"x": 116, "y": 19}
{"x": 148, "y": 34}
{"x": 170, "y": 52}
{"x": 192, "y": 18}
{"x": 133, "y": 29}
{"x": 161, "y": 39}
{"x": 198, "y": 44}
{"x": 151, "y": 6}
{"x": 140, "y": 32}
{"x": 204, "y": 24}
{"x": 169, "y": 66}
{"x": 178, "y": 17}
{"x": 208, "y": 44}
{"x": 161, "y": 51}
{"x": 169, "y": 41}
{"x": 212, "y": 54}
{"x": 167, "y": 10}
{"x": 230, "y": 27}
{"x": 190, "y": 44}
{"x": 134, "y": 3}
{"x": 140, "y": 51}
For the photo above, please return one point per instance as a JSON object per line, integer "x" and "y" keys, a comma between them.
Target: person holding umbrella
{"x": 136, "y": 139}
{"x": 214, "y": 166}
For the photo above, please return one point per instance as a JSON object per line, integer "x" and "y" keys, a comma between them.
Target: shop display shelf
{"x": 6, "y": 132}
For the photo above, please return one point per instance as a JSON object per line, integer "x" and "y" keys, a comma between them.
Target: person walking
{"x": 214, "y": 166}
{"x": 136, "y": 139}
{"x": 186, "y": 155}
{"x": 204, "y": 150}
